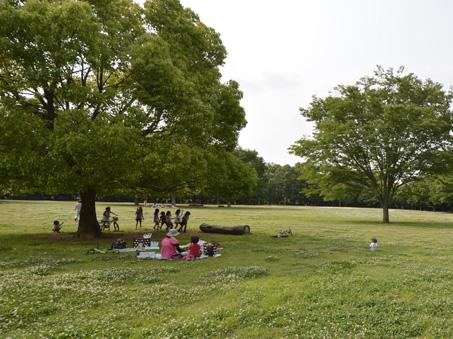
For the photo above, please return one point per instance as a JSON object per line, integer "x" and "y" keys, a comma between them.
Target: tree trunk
{"x": 173, "y": 199}
{"x": 88, "y": 224}
{"x": 385, "y": 208}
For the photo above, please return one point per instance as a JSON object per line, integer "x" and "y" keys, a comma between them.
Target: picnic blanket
{"x": 157, "y": 256}
{"x": 149, "y": 255}
{"x": 138, "y": 249}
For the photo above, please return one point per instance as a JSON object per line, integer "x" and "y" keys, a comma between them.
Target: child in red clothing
{"x": 194, "y": 250}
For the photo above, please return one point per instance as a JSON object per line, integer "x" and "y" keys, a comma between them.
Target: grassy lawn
{"x": 322, "y": 282}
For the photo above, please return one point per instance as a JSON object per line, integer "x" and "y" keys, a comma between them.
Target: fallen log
{"x": 238, "y": 230}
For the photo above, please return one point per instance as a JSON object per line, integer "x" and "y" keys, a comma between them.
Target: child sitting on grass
{"x": 57, "y": 226}
{"x": 194, "y": 249}
{"x": 374, "y": 244}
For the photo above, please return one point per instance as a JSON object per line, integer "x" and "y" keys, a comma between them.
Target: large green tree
{"x": 67, "y": 65}
{"x": 196, "y": 112}
{"x": 96, "y": 85}
{"x": 380, "y": 133}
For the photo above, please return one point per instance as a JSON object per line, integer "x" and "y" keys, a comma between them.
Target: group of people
{"x": 162, "y": 218}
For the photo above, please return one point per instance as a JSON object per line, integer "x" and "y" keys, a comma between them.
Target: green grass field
{"x": 322, "y": 282}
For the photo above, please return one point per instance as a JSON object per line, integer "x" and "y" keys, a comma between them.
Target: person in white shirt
{"x": 374, "y": 244}
{"x": 77, "y": 209}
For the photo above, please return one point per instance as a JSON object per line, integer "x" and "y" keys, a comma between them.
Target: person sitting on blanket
{"x": 194, "y": 249}
{"x": 170, "y": 246}
{"x": 57, "y": 226}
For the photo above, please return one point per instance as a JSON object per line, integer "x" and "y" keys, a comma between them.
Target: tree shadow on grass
{"x": 418, "y": 224}
{"x": 67, "y": 238}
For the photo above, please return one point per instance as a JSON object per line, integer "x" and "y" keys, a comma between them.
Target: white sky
{"x": 284, "y": 52}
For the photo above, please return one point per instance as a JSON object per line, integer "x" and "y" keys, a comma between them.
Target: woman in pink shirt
{"x": 170, "y": 246}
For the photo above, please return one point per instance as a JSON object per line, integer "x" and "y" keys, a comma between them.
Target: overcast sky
{"x": 284, "y": 52}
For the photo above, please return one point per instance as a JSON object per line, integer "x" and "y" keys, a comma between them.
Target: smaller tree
{"x": 251, "y": 157}
{"x": 284, "y": 184}
{"x": 228, "y": 177}
{"x": 379, "y": 134}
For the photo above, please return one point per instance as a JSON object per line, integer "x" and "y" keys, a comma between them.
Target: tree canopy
{"x": 378, "y": 135}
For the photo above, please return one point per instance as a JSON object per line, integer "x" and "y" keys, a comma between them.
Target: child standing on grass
{"x": 184, "y": 221}
{"x": 177, "y": 218}
{"x": 77, "y": 209}
{"x": 374, "y": 244}
{"x": 57, "y": 226}
{"x": 156, "y": 218}
{"x": 139, "y": 217}
{"x": 163, "y": 219}
{"x": 168, "y": 221}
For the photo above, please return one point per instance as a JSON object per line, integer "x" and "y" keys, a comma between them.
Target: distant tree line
{"x": 293, "y": 185}
{"x": 274, "y": 184}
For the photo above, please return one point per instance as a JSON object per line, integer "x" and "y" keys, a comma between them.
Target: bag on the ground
{"x": 119, "y": 244}
{"x": 209, "y": 249}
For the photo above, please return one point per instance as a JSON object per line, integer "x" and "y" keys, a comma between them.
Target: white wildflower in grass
{"x": 233, "y": 274}
{"x": 324, "y": 283}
